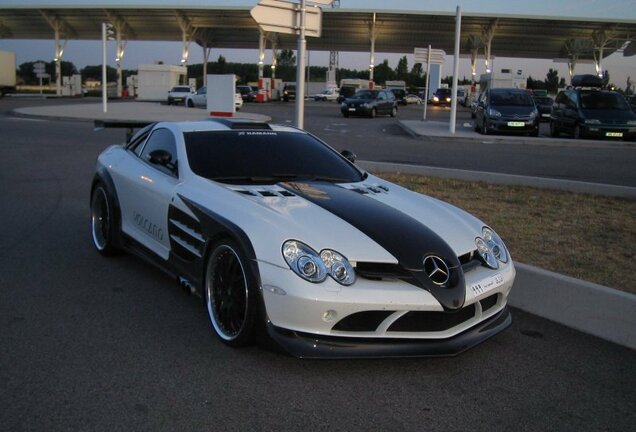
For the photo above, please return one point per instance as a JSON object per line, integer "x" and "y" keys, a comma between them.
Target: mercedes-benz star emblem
{"x": 436, "y": 269}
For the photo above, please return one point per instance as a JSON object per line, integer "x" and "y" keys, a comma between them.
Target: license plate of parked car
{"x": 352, "y": 109}
{"x": 614, "y": 134}
{"x": 515, "y": 124}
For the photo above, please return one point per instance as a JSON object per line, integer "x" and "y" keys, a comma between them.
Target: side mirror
{"x": 159, "y": 157}
{"x": 349, "y": 155}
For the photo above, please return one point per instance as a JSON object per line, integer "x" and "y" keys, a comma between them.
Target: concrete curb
{"x": 594, "y": 309}
{"x": 505, "y": 179}
{"x": 140, "y": 111}
{"x": 435, "y": 129}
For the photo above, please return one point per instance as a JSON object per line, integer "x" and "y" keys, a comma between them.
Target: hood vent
{"x": 267, "y": 193}
{"x": 367, "y": 189}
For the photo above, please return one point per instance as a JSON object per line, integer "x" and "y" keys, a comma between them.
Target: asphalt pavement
{"x": 92, "y": 343}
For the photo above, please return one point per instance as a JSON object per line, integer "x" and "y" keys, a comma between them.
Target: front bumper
{"x": 356, "y": 110}
{"x": 609, "y": 131}
{"x": 522, "y": 126}
{"x": 390, "y": 312}
{"x": 310, "y": 346}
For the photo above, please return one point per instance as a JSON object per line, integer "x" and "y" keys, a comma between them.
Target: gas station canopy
{"x": 343, "y": 29}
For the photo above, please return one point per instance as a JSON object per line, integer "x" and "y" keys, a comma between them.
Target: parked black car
{"x": 370, "y": 103}
{"x": 289, "y": 92}
{"x": 507, "y": 110}
{"x": 544, "y": 106}
{"x": 246, "y": 92}
{"x": 592, "y": 113}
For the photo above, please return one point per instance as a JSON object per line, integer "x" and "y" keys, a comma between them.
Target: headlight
{"x": 493, "y": 113}
{"x": 491, "y": 248}
{"x": 304, "y": 261}
{"x": 365, "y": 105}
{"x": 314, "y": 267}
{"x": 592, "y": 121}
{"x": 448, "y": 99}
{"x": 533, "y": 114}
{"x": 338, "y": 267}
{"x": 435, "y": 98}
{"x": 631, "y": 122}
{"x": 343, "y": 105}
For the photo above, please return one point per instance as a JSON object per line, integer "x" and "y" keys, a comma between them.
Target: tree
{"x": 95, "y": 73}
{"x": 25, "y": 70}
{"x": 628, "y": 86}
{"x": 220, "y": 64}
{"x": 402, "y": 69}
{"x": 286, "y": 58}
{"x": 552, "y": 81}
{"x": 383, "y": 72}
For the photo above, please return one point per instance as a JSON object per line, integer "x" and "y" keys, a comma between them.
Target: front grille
{"x": 379, "y": 271}
{"x": 423, "y": 321}
{"x": 469, "y": 261}
{"x": 489, "y": 302}
{"x": 367, "y": 321}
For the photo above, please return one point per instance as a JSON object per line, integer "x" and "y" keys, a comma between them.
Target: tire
{"x": 554, "y": 131}
{"x": 534, "y": 133}
{"x": 189, "y": 103}
{"x": 577, "y": 133}
{"x": 394, "y": 111}
{"x": 230, "y": 294}
{"x": 345, "y": 114}
{"x": 374, "y": 113}
{"x": 484, "y": 127}
{"x": 103, "y": 225}
{"x": 477, "y": 128}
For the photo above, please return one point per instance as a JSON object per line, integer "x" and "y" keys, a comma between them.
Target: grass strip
{"x": 588, "y": 237}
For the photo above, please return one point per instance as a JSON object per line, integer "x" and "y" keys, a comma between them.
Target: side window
{"x": 382, "y": 96}
{"x": 162, "y": 140}
{"x": 572, "y": 100}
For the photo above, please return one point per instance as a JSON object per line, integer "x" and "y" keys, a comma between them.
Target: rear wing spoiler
{"x": 129, "y": 125}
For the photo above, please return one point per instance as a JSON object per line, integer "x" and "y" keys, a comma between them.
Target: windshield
{"x": 265, "y": 157}
{"x": 603, "y": 101}
{"x": 510, "y": 98}
{"x": 543, "y": 100}
{"x": 365, "y": 94}
{"x": 180, "y": 89}
{"x": 443, "y": 92}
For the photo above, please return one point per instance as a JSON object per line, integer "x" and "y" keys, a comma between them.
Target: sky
{"x": 83, "y": 53}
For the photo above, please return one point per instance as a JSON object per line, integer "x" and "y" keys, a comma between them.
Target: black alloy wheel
{"x": 393, "y": 111}
{"x": 102, "y": 221}
{"x": 374, "y": 113}
{"x": 484, "y": 127}
{"x": 190, "y": 103}
{"x": 229, "y": 295}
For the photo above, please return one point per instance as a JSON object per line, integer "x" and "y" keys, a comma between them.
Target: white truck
{"x": 7, "y": 72}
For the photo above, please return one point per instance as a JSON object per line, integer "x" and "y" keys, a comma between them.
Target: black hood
{"x": 404, "y": 237}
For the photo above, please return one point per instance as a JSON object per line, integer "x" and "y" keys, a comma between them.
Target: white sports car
{"x": 277, "y": 231}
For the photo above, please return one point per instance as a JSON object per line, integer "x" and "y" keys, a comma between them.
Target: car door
{"x": 201, "y": 98}
{"x": 571, "y": 111}
{"x": 145, "y": 190}
{"x": 480, "y": 109}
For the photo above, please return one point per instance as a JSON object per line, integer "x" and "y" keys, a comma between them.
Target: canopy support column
{"x": 372, "y": 56}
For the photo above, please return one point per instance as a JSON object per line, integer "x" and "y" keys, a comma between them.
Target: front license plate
{"x": 516, "y": 124}
{"x": 614, "y": 134}
{"x": 486, "y": 285}
{"x": 352, "y": 109}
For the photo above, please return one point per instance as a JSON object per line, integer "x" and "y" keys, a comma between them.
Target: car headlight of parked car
{"x": 314, "y": 267}
{"x": 491, "y": 248}
{"x": 631, "y": 122}
{"x": 592, "y": 121}
{"x": 493, "y": 113}
{"x": 533, "y": 115}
